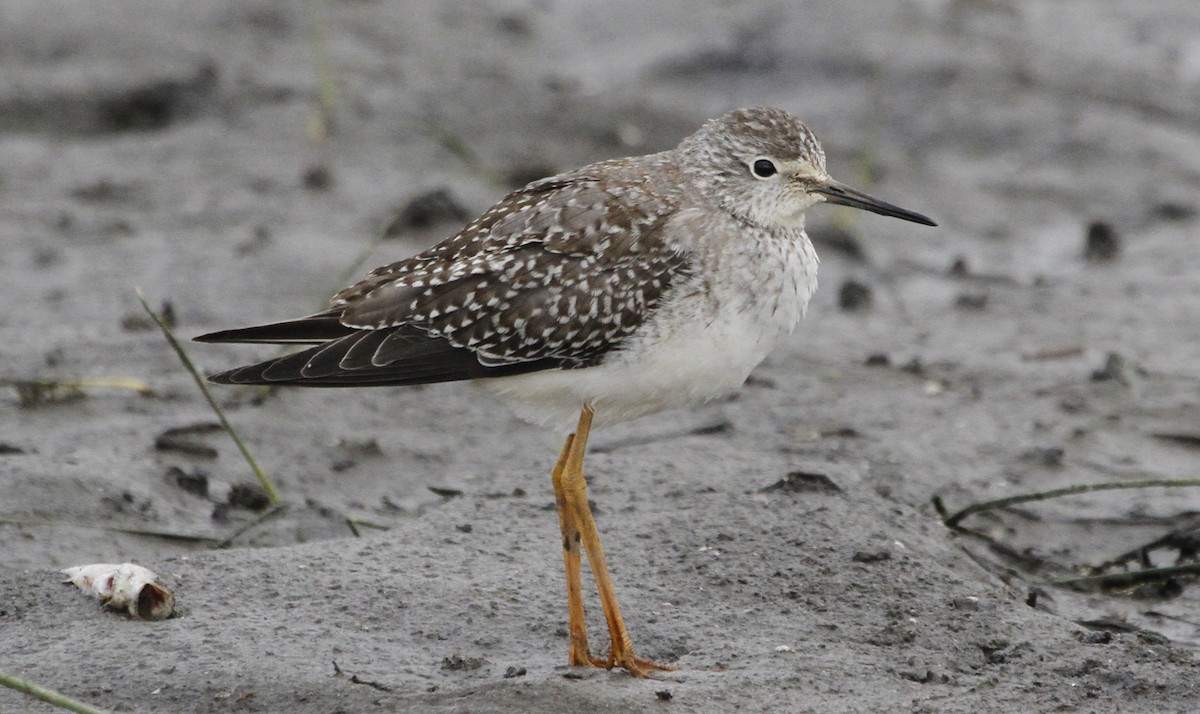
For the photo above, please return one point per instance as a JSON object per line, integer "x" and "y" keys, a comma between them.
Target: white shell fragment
{"x": 125, "y": 586}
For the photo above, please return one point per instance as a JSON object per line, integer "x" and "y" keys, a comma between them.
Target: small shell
{"x": 125, "y": 586}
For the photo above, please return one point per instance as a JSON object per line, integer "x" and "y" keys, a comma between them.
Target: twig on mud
{"x": 953, "y": 520}
{"x": 32, "y": 392}
{"x": 1185, "y": 539}
{"x": 1110, "y": 581}
{"x": 1025, "y": 561}
{"x": 263, "y": 479}
{"x": 275, "y": 510}
{"x": 354, "y": 523}
{"x": 47, "y": 695}
{"x": 147, "y": 532}
{"x": 354, "y": 679}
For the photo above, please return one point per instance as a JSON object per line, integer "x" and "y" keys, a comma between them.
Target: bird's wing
{"x": 554, "y": 276}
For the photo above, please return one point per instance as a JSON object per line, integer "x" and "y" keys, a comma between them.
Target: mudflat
{"x": 239, "y": 162}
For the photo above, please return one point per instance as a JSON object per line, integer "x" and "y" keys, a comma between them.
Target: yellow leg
{"x": 579, "y": 654}
{"x": 572, "y": 494}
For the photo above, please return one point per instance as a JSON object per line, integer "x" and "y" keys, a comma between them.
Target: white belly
{"x": 693, "y": 365}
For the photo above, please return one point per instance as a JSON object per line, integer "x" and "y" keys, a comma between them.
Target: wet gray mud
{"x": 238, "y": 161}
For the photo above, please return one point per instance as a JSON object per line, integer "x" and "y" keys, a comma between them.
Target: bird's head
{"x": 765, "y": 167}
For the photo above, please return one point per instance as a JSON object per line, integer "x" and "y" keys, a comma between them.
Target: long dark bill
{"x": 843, "y": 195}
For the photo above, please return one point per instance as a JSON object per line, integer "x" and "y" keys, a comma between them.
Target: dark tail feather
{"x": 408, "y": 357}
{"x": 293, "y": 370}
{"x": 306, "y": 330}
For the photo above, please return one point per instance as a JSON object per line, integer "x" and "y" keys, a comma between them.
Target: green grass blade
{"x": 263, "y": 479}
{"x": 48, "y": 695}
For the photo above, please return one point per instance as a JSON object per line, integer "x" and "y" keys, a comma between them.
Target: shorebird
{"x": 613, "y": 291}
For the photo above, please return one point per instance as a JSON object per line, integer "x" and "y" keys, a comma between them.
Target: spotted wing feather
{"x": 554, "y": 276}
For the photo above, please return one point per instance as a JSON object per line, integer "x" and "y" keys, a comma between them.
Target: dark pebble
{"x": 854, "y": 296}
{"x": 317, "y": 178}
{"x": 1101, "y": 244}
{"x": 426, "y": 210}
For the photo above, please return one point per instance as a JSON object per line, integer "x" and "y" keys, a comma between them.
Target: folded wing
{"x": 555, "y": 276}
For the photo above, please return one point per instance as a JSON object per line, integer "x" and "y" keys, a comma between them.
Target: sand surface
{"x": 238, "y": 162}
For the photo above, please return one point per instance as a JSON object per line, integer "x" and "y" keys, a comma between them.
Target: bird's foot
{"x": 582, "y": 657}
{"x": 636, "y": 666}
{"x": 626, "y": 660}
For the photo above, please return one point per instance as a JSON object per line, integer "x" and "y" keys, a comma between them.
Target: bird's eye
{"x": 763, "y": 168}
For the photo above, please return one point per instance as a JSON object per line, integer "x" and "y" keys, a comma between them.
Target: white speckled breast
{"x": 700, "y": 344}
